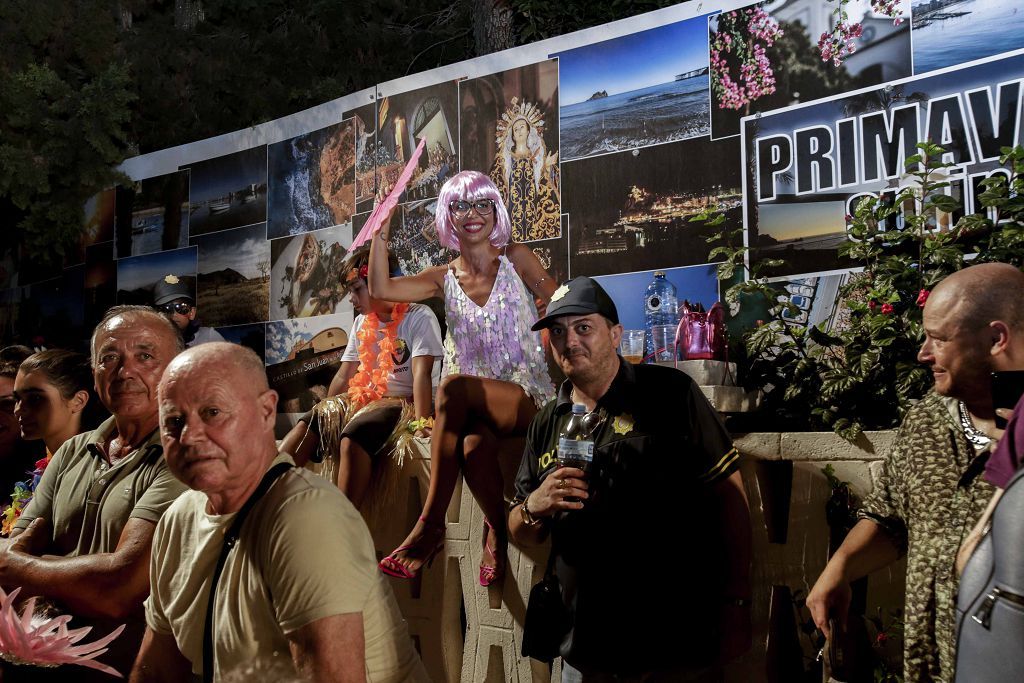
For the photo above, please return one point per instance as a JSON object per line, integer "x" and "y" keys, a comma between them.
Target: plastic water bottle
{"x": 575, "y": 447}
{"x": 660, "y": 308}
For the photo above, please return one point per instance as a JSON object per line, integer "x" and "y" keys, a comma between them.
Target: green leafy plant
{"x": 865, "y": 375}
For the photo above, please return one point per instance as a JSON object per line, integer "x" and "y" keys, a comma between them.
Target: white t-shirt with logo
{"x": 417, "y": 335}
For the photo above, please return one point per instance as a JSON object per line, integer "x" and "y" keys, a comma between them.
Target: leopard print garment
{"x": 929, "y": 496}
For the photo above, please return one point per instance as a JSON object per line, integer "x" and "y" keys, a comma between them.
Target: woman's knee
{"x": 454, "y": 390}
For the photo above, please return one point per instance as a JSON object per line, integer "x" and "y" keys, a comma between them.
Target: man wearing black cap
{"x": 663, "y": 484}
{"x": 172, "y": 296}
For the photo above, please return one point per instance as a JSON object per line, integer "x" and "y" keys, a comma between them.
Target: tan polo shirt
{"x": 88, "y": 502}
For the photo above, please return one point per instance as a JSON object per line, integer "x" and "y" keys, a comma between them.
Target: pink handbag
{"x": 701, "y": 334}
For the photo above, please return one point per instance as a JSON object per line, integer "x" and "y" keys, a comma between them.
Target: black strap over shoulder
{"x": 230, "y": 538}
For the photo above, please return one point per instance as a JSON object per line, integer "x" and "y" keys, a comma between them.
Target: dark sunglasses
{"x": 461, "y": 207}
{"x": 179, "y": 307}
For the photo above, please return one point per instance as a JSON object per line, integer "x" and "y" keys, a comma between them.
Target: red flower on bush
{"x": 886, "y": 309}
{"x": 872, "y": 304}
{"x": 922, "y": 297}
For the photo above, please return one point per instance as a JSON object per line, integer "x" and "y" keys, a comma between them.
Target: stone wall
{"x": 472, "y": 634}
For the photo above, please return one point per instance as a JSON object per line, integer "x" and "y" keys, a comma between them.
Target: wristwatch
{"x": 528, "y": 519}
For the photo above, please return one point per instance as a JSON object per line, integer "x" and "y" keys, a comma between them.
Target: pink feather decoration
{"x": 373, "y": 223}
{"x": 42, "y": 641}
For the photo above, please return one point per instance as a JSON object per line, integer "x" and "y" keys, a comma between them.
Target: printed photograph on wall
{"x": 630, "y": 211}
{"x": 100, "y": 288}
{"x": 509, "y": 130}
{"x": 403, "y": 120}
{"x": 52, "y": 313}
{"x": 364, "y": 123}
{"x": 152, "y": 215}
{"x": 636, "y": 90}
{"x": 810, "y": 166}
{"x": 312, "y": 181}
{"x": 98, "y": 226}
{"x": 949, "y": 32}
{"x": 233, "y": 283}
{"x": 305, "y": 273}
{"x": 10, "y": 298}
{"x": 413, "y": 238}
{"x": 553, "y": 254}
{"x": 253, "y": 336}
{"x": 769, "y": 55}
{"x": 694, "y": 284}
{"x": 137, "y": 275}
{"x": 302, "y": 357}
{"x": 228, "y": 192}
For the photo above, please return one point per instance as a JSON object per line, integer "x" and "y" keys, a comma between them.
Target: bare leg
{"x": 301, "y": 442}
{"x": 464, "y": 405}
{"x": 483, "y": 476}
{"x": 354, "y": 470}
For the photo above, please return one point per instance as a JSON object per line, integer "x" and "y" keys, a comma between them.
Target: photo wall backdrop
{"x": 604, "y": 144}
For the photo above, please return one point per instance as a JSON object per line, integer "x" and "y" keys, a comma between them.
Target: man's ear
{"x": 616, "y": 334}
{"x": 1001, "y": 336}
{"x": 192, "y": 313}
{"x": 267, "y": 402}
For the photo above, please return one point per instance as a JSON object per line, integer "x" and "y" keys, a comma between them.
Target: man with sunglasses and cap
{"x": 663, "y": 480}
{"x": 172, "y": 296}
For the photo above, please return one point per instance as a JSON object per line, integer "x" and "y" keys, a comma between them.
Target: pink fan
{"x": 381, "y": 210}
{"x": 41, "y": 641}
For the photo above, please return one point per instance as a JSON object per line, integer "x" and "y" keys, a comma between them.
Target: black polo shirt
{"x": 641, "y": 566}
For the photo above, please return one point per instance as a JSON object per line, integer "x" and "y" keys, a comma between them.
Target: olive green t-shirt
{"x": 303, "y": 554}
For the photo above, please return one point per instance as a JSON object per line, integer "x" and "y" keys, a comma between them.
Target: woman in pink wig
{"x": 495, "y": 374}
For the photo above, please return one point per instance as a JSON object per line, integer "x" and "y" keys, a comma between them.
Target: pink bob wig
{"x": 470, "y": 186}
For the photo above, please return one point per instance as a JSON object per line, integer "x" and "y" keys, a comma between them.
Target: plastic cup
{"x": 632, "y": 345}
{"x": 664, "y": 339}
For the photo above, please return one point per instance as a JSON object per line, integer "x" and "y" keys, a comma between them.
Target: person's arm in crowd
{"x": 339, "y": 385}
{"x": 544, "y": 501}
{"x": 974, "y": 537}
{"x": 110, "y": 585}
{"x": 160, "y": 660}
{"x": 532, "y": 273}
{"x": 330, "y": 650}
{"x": 422, "y": 387}
{"x": 867, "y": 548}
{"x": 734, "y": 513}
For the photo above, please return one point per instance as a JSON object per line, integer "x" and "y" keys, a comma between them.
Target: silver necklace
{"x": 974, "y": 435}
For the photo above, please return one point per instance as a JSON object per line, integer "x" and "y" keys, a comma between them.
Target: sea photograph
{"x": 312, "y": 181}
{"x": 806, "y": 234}
{"x": 233, "y": 282}
{"x": 630, "y": 211}
{"x": 948, "y": 32}
{"x": 634, "y": 91}
{"x": 228, "y": 191}
{"x": 509, "y": 130}
{"x": 153, "y": 215}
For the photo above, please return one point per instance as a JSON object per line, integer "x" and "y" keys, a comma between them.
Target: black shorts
{"x": 371, "y": 428}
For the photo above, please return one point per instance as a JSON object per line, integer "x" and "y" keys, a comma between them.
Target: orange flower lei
{"x": 371, "y": 380}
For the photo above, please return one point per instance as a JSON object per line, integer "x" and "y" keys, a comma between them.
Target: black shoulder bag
{"x": 547, "y": 618}
{"x": 230, "y": 538}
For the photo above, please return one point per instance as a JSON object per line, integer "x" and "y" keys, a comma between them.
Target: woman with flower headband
{"x": 496, "y": 376}
{"x": 388, "y": 374}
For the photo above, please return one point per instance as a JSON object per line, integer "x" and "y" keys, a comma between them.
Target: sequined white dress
{"x": 494, "y": 340}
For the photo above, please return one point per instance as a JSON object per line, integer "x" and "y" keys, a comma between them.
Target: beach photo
{"x": 630, "y": 211}
{"x": 302, "y": 357}
{"x": 429, "y": 113}
{"x": 312, "y": 181}
{"x": 233, "y": 282}
{"x": 152, "y": 215}
{"x": 770, "y": 55}
{"x": 509, "y": 130}
{"x": 637, "y": 90}
{"x": 228, "y": 191}
{"x": 948, "y": 32}
{"x": 137, "y": 275}
{"x": 305, "y": 273}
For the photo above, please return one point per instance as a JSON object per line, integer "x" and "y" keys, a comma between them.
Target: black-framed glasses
{"x": 179, "y": 307}
{"x": 460, "y": 207}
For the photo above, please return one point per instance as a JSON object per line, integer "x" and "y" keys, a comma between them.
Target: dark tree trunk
{"x": 493, "y": 28}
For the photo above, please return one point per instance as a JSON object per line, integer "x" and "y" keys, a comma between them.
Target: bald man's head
{"x": 983, "y": 293}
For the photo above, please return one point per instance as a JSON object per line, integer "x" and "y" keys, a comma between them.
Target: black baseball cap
{"x": 171, "y": 288}
{"x": 579, "y": 296}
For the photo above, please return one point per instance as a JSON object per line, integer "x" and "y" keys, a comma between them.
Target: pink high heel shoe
{"x": 489, "y": 575}
{"x": 392, "y": 567}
